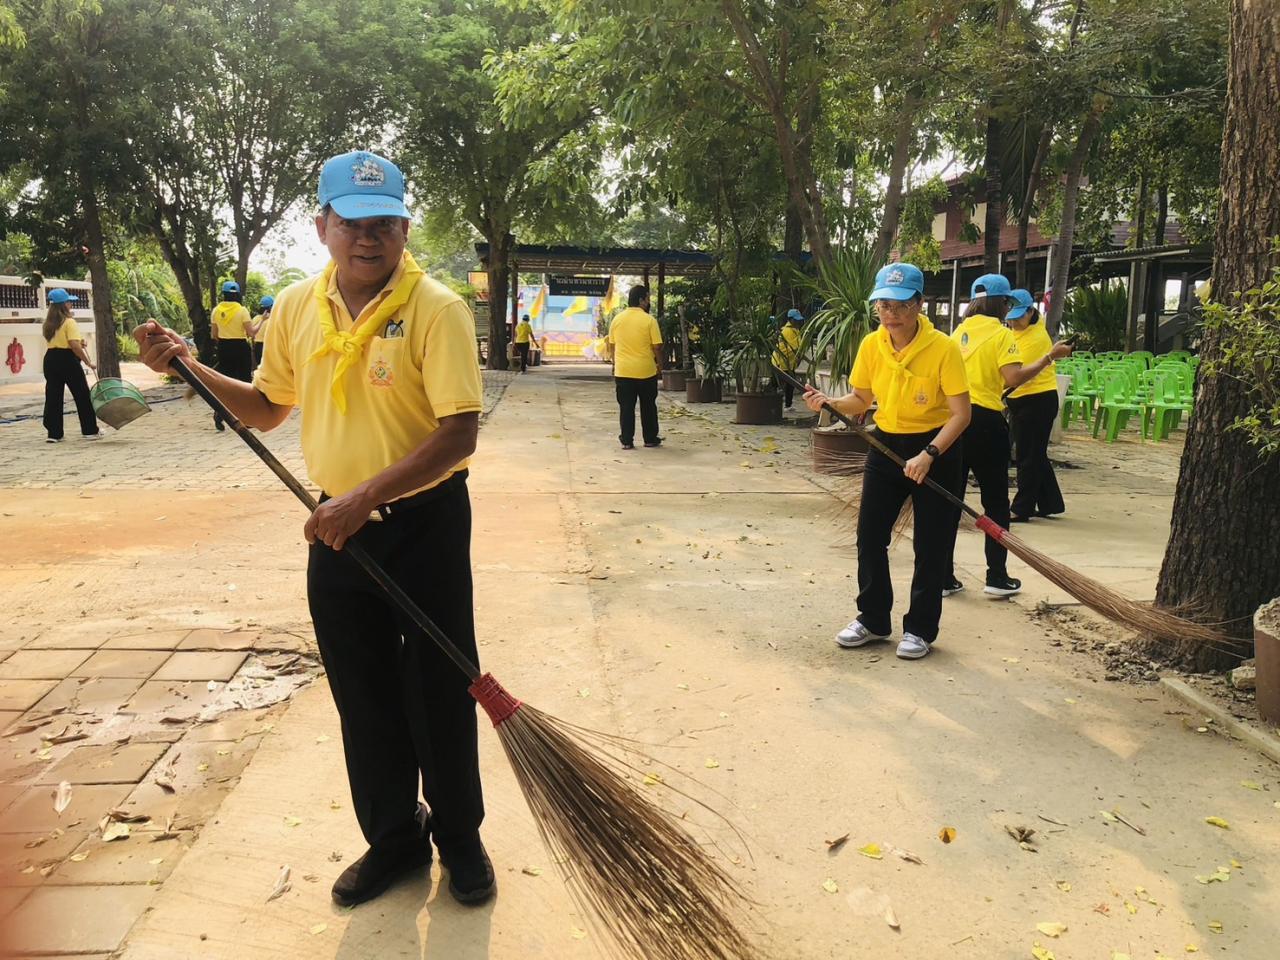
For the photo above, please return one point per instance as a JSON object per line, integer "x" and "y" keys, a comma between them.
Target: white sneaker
{"x": 856, "y": 635}
{"x": 912, "y": 647}
{"x": 52, "y": 439}
{"x": 94, "y": 436}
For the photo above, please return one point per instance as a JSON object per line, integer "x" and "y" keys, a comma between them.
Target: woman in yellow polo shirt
{"x": 992, "y": 363}
{"x": 258, "y": 328}
{"x": 230, "y": 326}
{"x": 787, "y": 353}
{"x": 64, "y": 352}
{"x": 1033, "y": 408}
{"x": 915, "y": 375}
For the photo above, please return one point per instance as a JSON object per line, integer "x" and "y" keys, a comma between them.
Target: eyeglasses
{"x": 896, "y": 306}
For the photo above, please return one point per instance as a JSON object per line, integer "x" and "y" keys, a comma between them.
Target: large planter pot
{"x": 758, "y": 408}
{"x": 702, "y": 391}
{"x": 1266, "y": 637}
{"x": 674, "y": 380}
{"x": 835, "y": 450}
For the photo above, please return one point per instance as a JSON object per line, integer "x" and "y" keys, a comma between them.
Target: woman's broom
{"x": 1119, "y": 609}
{"x": 652, "y": 888}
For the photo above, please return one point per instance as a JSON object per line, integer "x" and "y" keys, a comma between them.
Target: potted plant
{"x": 758, "y": 399}
{"x": 831, "y": 339}
{"x": 709, "y": 363}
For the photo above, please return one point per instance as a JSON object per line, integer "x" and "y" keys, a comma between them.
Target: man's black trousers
{"x": 884, "y": 490}
{"x": 404, "y": 706}
{"x": 986, "y": 454}
{"x": 629, "y": 390}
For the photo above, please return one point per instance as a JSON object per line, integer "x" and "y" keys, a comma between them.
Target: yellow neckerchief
{"x": 901, "y": 375}
{"x": 349, "y": 344}
{"x": 980, "y": 328}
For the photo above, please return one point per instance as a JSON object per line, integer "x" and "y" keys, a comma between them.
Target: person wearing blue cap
{"x": 992, "y": 363}
{"x": 786, "y": 355}
{"x": 229, "y": 325}
{"x": 1033, "y": 409}
{"x": 258, "y": 328}
{"x": 381, "y": 360}
{"x": 63, "y": 354}
{"x": 915, "y": 375}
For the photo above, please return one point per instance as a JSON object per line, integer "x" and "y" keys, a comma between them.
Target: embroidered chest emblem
{"x": 964, "y": 339}
{"x": 380, "y": 373}
{"x": 368, "y": 174}
{"x": 921, "y": 399}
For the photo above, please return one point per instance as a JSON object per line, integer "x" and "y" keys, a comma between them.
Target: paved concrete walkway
{"x": 686, "y": 597}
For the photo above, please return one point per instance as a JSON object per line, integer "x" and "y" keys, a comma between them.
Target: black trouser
{"x": 404, "y": 705}
{"x": 257, "y": 353}
{"x": 884, "y": 489}
{"x": 1033, "y": 417}
{"x": 523, "y": 350}
{"x": 788, "y": 391}
{"x": 62, "y": 371}
{"x": 986, "y": 454}
{"x": 235, "y": 360}
{"x": 629, "y": 390}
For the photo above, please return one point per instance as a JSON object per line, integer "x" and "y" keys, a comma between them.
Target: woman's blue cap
{"x": 898, "y": 281}
{"x": 231, "y": 287}
{"x": 1022, "y": 302}
{"x": 794, "y": 314}
{"x": 266, "y": 303}
{"x": 61, "y": 296}
{"x": 991, "y": 285}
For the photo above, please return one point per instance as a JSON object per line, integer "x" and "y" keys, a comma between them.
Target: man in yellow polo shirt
{"x": 524, "y": 334}
{"x": 637, "y": 361}
{"x": 381, "y": 361}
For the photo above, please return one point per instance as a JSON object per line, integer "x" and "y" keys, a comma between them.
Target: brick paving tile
{"x": 157, "y": 699}
{"x": 120, "y": 861}
{"x": 33, "y": 811}
{"x": 192, "y": 665}
{"x": 102, "y": 695}
{"x": 21, "y": 694}
{"x": 42, "y": 664}
{"x": 10, "y": 897}
{"x": 60, "y": 640}
{"x": 148, "y": 640}
{"x": 90, "y": 918}
{"x": 220, "y": 640}
{"x": 26, "y": 858}
{"x": 122, "y": 663}
{"x": 106, "y": 763}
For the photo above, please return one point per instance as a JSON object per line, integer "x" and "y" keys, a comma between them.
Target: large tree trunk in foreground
{"x": 1061, "y": 269}
{"x": 893, "y": 198}
{"x": 1223, "y": 558}
{"x": 499, "y": 271}
{"x": 1029, "y": 200}
{"x": 994, "y": 197}
{"x": 104, "y": 320}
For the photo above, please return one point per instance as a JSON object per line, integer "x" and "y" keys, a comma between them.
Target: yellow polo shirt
{"x": 633, "y": 334}
{"x": 1034, "y": 343}
{"x": 421, "y": 368}
{"x": 788, "y": 349}
{"x": 229, "y": 317}
{"x": 524, "y": 332}
{"x": 65, "y": 334}
{"x": 986, "y": 345}
{"x": 262, "y": 320}
{"x": 911, "y": 385}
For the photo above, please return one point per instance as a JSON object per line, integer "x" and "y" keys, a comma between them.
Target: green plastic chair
{"x": 1082, "y": 355}
{"x": 1079, "y": 399}
{"x": 1146, "y": 357}
{"x": 1161, "y": 415}
{"x": 1116, "y": 408}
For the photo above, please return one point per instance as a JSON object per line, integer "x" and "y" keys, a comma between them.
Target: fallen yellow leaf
{"x": 1108, "y": 816}
{"x": 830, "y": 886}
{"x": 577, "y": 933}
{"x": 1051, "y": 929}
{"x": 1041, "y": 953}
{"x": 1192, "y": 948}
{"x": 1215, "y": 926}
{"x": 1250, "y": 785}
{"x": 292, "y": 821}
{"x": 1217, "y": 822}
{"x": 652, "y": 779}
{"x": 947, "y": 834}
{"x": 78, "y": 857}
{"x": 319, "y": 928}
{"x": 712, "y": 764}
{"x": 1064, "y": 886}
{"x": 1117, "y": 955}
{"x": 1237, "y": 864}
{"x": 1130, "y": 907}
{"x": 871, "y": 850}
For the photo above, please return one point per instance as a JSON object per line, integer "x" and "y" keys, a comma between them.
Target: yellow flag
{"x": 610, "y": 296}
{"x": 579, "y": 305}
{"x": 539, "y": 303}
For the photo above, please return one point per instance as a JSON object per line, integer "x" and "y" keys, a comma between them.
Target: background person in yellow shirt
{"x": 992, "y": 363}
{"x": 229, "y": 325}
{"x": 524, "y": 334}
{"x": 637, "y": 361}
{"x": 915, "y": 375}
{"x": 258, "y": 328}
{"x": 63, "y": 354}
{"x": 787, "y": 353}
{"x": 381, "y": 360}
{"x": 1033, "y": 408}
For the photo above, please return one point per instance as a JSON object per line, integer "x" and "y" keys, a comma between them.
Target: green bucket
{"x": 117, "y": 402}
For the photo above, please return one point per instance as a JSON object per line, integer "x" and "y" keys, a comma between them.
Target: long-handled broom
{"x": 651, "y": 887}
{"x": 1137, "y": 616}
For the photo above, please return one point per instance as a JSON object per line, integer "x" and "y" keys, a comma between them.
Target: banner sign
{"x": 479, "y": 281}
{"x": 579, "y": 286}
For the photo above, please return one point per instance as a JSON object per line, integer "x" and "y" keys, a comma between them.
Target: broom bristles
{"x": 643, "y": 880}
{"x": 1142, "y": 617}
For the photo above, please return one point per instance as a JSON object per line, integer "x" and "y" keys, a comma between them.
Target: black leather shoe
{"x": 383, "y": 865}
{"x": 471, "y": 879}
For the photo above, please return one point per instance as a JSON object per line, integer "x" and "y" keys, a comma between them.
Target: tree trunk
{"x": 994, "y": 197}
{"x": 1060, "y": 272}
{"x": 1162, "y": 214}
{"x": 1223, "y": 558}
{"x": 1140, "y": 212}
{"x": 898, "y": 161}
{"x": 104, "y": 323}
{"x": 1029, "y": 200}
{"x": 499, "y": 272}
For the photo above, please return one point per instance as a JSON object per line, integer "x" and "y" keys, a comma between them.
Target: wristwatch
{"x": 932, "y": 451}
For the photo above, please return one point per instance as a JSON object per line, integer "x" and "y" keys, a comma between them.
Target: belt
{"x": 386, "y": 511}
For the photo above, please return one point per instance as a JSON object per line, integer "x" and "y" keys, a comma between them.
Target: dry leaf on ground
{"x": 868, "y": 903}
{"x": 1051, "y": 928}
{"x": 872, "y": 850}
{"x": 1217, "y": 822}
{"x": 282, "y": 884}
{"x": 531, "y": 871}
{"x": 319, "y": 928}
{"x": 1063, "y": 885}
{"x": 115, "y": 831}
{"x": 837, "y": 843}
{"x": 906, "y": 855}
{"x": 62, "y": 797}
{"x": 1042, "y": 953}
{"x": 947, "y": 834}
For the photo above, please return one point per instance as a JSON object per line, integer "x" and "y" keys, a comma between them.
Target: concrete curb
{"x": 1269, "y": 747}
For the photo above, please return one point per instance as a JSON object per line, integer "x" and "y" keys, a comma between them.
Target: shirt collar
{"x": 343, "y": 315}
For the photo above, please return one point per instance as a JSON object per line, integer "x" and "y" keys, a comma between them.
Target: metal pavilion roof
{"x": 535, "y": 258}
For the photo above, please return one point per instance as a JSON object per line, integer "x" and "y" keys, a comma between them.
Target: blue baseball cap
{"x": 794, "y": 314}
{"x": 898, "y": 281}
{"x": 360, "y": 185}
{"x": 61, "y": 296}
{"x": 231, "y": 287}
{"x": 991, "y": 285}
{"x": 1022, "y": 302}
{"x": 266, "y": 303}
